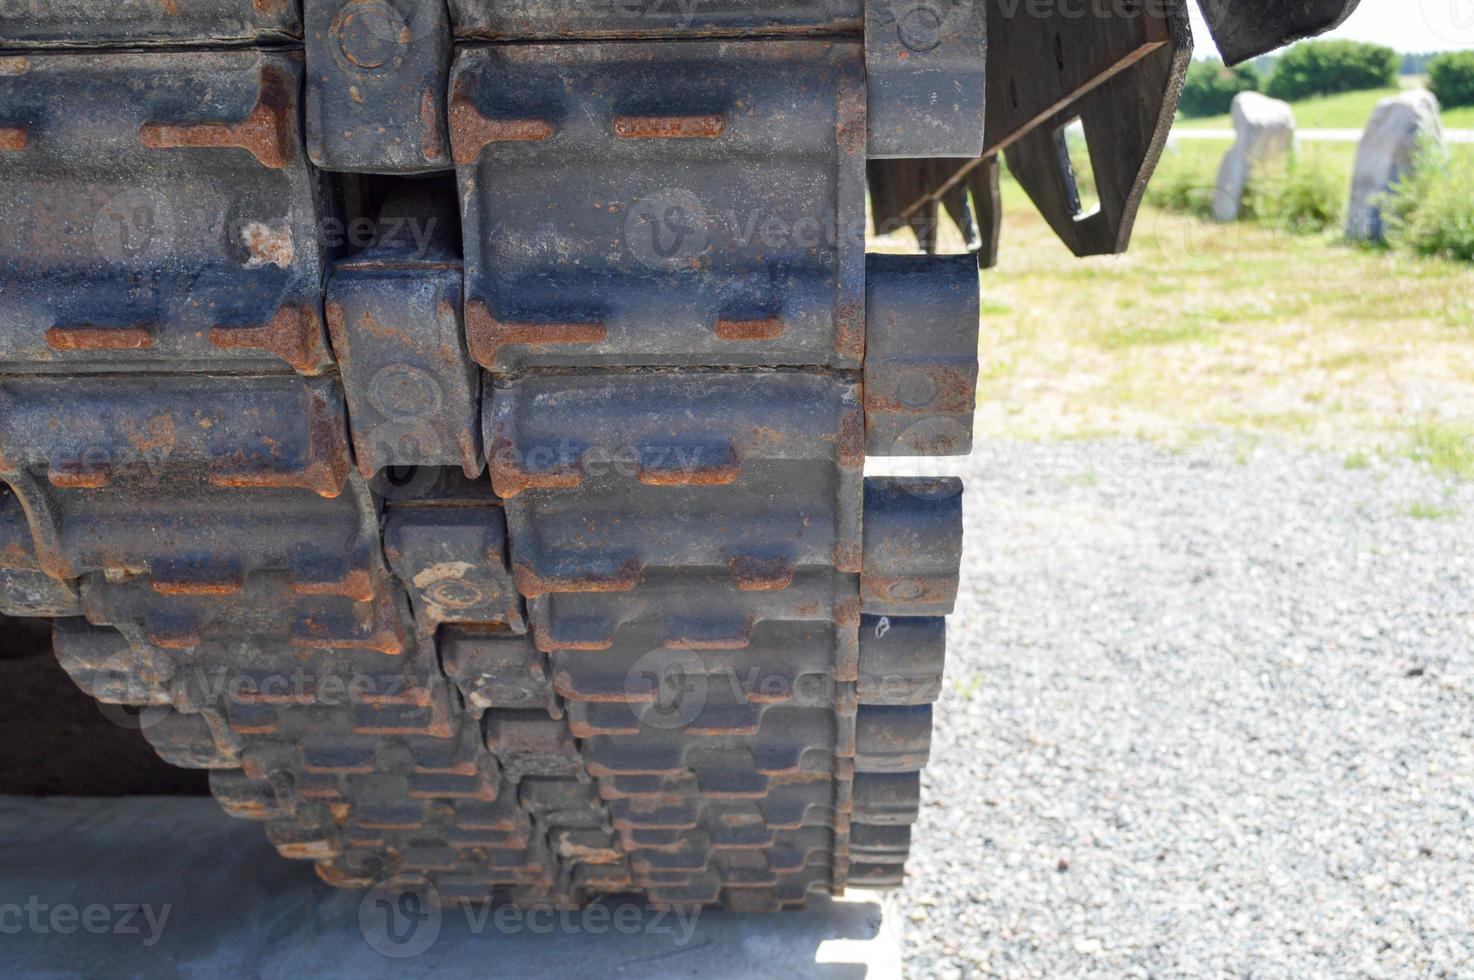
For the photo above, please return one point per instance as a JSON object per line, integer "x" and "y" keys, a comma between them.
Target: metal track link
{"x": 457, "y": 446}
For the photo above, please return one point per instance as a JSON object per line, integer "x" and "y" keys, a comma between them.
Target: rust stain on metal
{"x": 768, "y": 329}
{"x": 384, "y": 636}
{"x": 741, "y": 642}
{"x": 156, "y": 435}
{"x": 542, "y": 638}
{"x": 670, "y": 127}
{"x": 267, "y": 133}
{"x": 953, "y": 392}
{"x": 325, "y": 470}
{"x": 470, "y": 131}
{"x": 564, "y": 686}
{"x": 337, "y": 321}
{"x": 199, "y": 587}
{"x": 86, "y": 336}
{"x": 431, "y": 145}
{"x": 267, "y": 245}
{"x": 849, "y": 447}
{"x": 485, "y": 334}
{"x": 292, "y": 334}
{"x": 13, "y": 138}
{"x": 715, "y": 475}
{"x": 510, "y": 479}
{"x": 78, "y": 477}
{"x": 919, "y": 589}
{"x": 761, "y": 574}
{"x": 354, "y": 584}
{"x": 848, "y": 558}
{"x": 582, "y": 729}
{"x": 849, "y": 330}
{"x": 183, "y": 638}
{"x": 623, "y": 579}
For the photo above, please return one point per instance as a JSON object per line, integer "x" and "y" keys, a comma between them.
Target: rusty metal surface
{"x": 394, "y": 314}
{"x": 921, "y": 358}
{"x": 1126, "y": 119}
{"x": 161, "y": 215}
{"x": 87, "y": 23}
{"x": 558, "y": 19}
{"x": 497, "y": 531}
{"x": 670, "y": 232}
{"x": 925, "y": 65}
{"x": 913, "y": 546}
{"x": 376, "y": 72}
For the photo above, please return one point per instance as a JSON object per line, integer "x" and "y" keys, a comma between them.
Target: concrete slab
{"x": 150, "y": 886}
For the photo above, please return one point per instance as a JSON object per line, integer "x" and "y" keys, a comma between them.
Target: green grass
{"x": 1206, "y": 330}
{"x": 1201, "y": 159}
{"x": 1423, "y": 511}
{"x": 1447, "y": 448}
{"x": 1348, "y": 110}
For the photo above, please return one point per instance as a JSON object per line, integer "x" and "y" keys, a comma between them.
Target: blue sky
{"x": 1407, "y": 25}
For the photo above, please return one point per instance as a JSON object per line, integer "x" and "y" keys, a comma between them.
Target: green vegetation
{"x": 1431, "y": 210}
{"x": 1183, "y": 183}
{"x": 1447, "y": 448}
{"x": 1430, "y": 213}
{"x": 1347, "y": 110}
{"x": 1307, "y": 198}
{"x": 1451, "y": 77}
{"x": 1422, "y": 511}
{"x": 1230, "y": 332}
{"x": 1328, "y": 67}
{"x": 1211, "y": 87}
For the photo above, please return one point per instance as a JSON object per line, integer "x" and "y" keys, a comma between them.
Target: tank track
{"x": 448, "y": 425}
{"x": 446, "y": 421}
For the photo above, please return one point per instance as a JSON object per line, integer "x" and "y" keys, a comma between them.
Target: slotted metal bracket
{"x": 1126, "y": 117}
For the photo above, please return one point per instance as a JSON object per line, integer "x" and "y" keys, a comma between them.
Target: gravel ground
{"x": 1205, "y": 714}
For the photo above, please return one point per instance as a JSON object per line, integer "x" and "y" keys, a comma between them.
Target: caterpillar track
{"x": 447, "y": 422}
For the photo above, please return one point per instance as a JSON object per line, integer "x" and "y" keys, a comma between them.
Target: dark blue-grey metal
{"x": 376, "y": 75}
{"x": 394, "y": 314}
{"x": 757, "y": 473}
{"x": 496, "y": 670}
{"x": 163, "y": 494}
{"x": 1245, "y": 29}
{"x": 913, "y": 546}
{"x": 670, "y": 228}
{"x": 26, "y": 589}
{"x": 453, "y": 562}
{"x": 161, "y": 214}
{"x": 562, "y": 20}
{"x": 88, "y": 23}
{"x": 892, "y": 737}
{"x": 901, "y": 659}
{"x": 921, "y": 354}
{"x": 697, "y": 608}
{"x": 925, "y": 65}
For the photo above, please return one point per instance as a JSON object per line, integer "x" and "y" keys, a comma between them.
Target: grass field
{"x": 1205, "y": 330}
{"x": 1349, "y": 110}
{"x": 1205, "y": 155}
